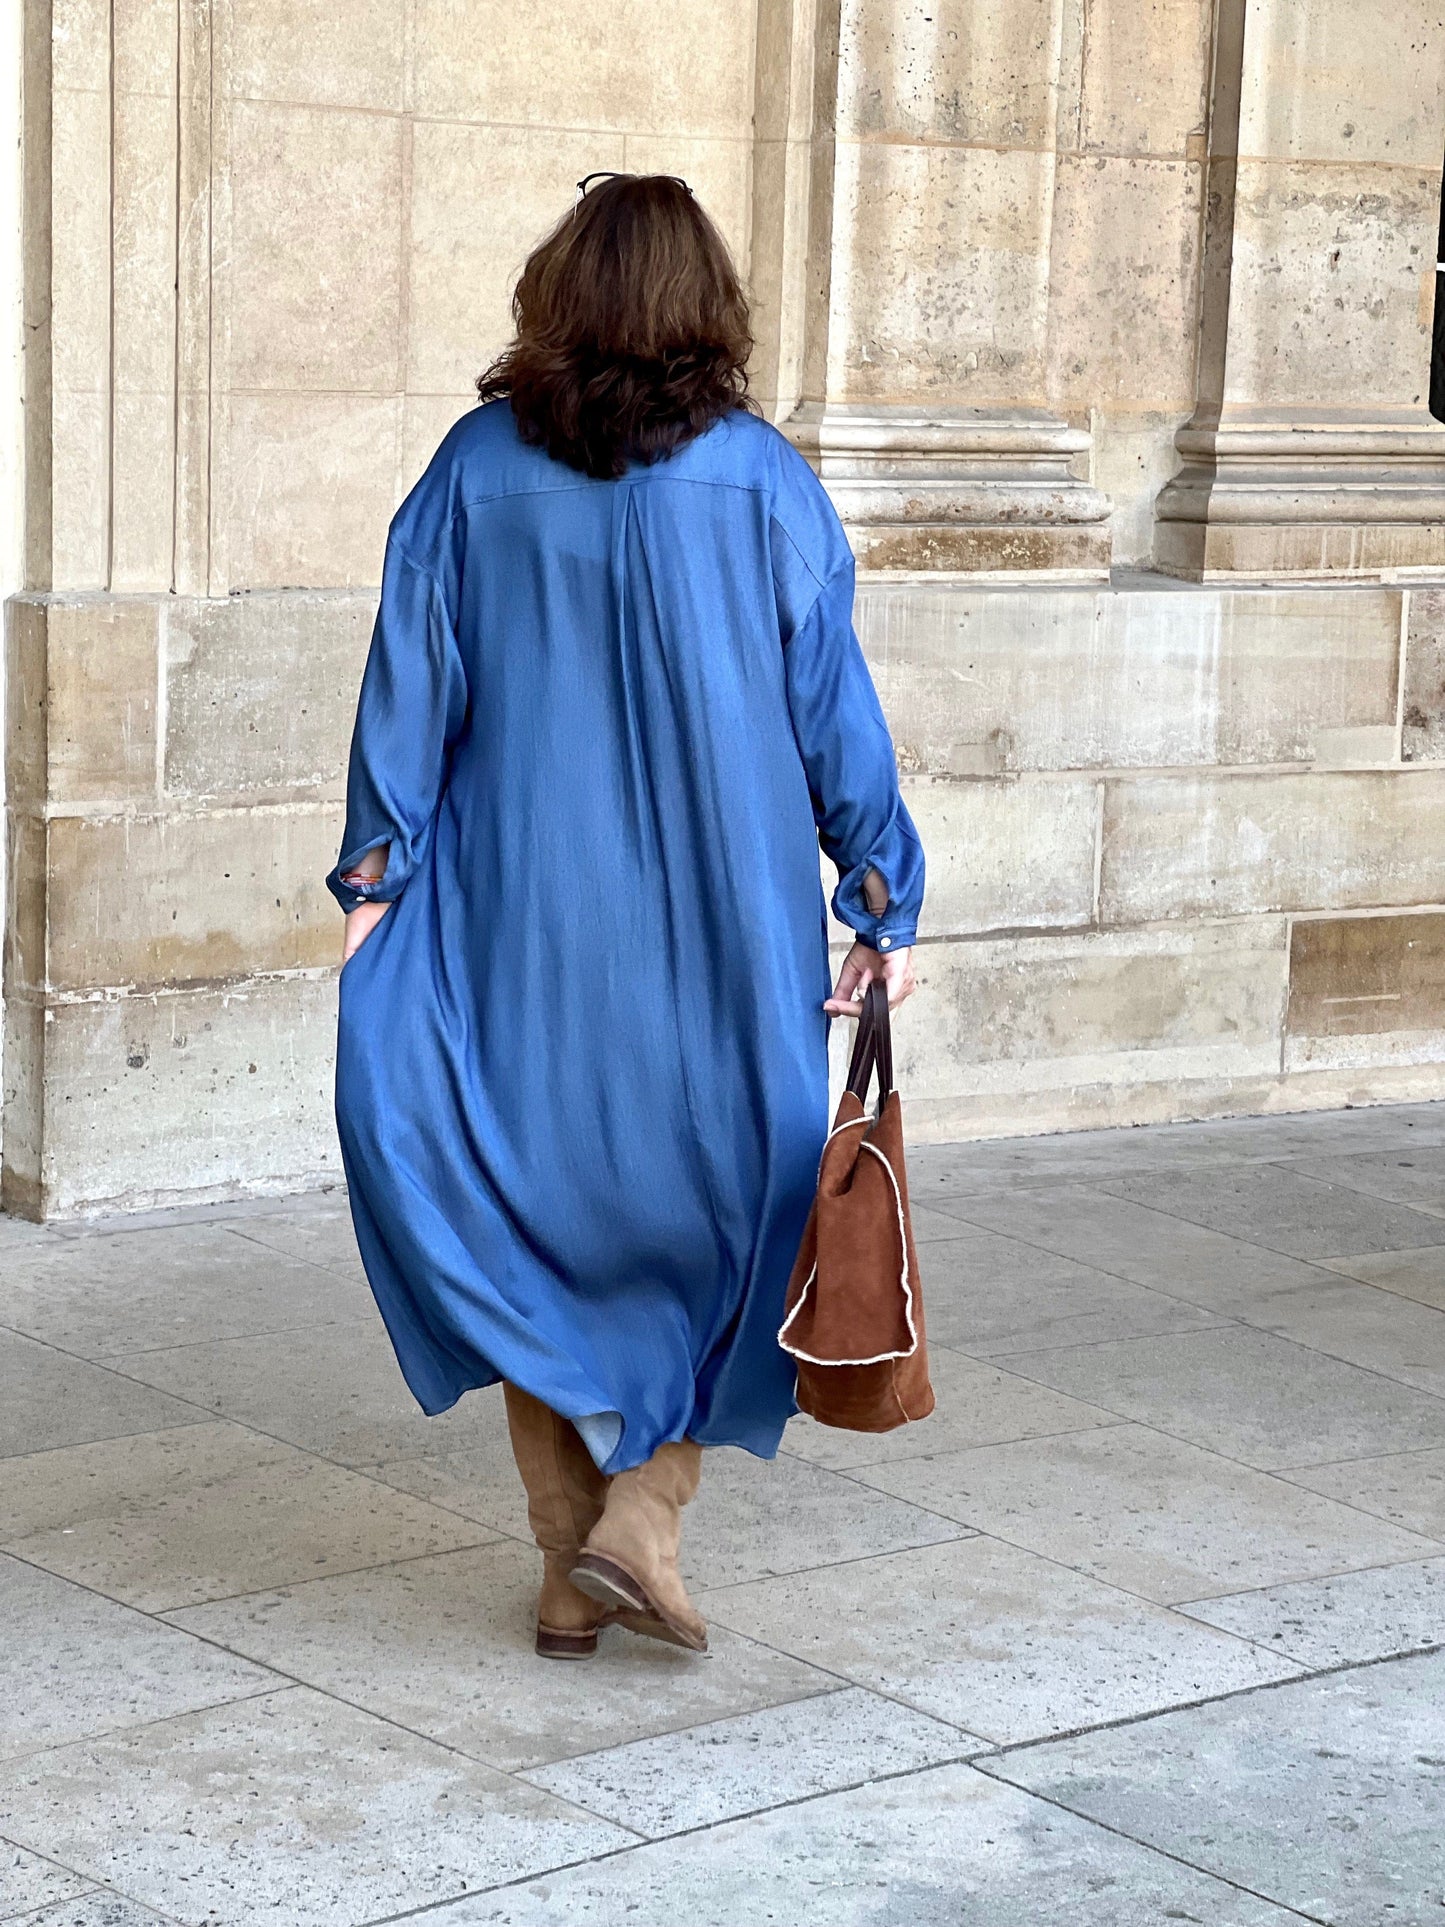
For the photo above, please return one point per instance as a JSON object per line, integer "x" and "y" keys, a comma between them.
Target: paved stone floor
{"x": 1147, "y": 1625}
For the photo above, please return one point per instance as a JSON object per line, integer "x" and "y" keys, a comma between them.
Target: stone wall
{"x": 1047, "y": 288}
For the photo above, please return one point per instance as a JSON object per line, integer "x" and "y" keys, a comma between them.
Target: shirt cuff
{"x": 386, "y": 889}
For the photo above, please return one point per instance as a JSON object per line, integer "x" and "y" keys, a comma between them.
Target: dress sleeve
{"x": 863, "y": 822}
{"x": 412, "y": 708}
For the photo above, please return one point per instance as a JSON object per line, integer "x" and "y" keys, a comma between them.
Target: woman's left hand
{"x": 360, "y": 923}
{"x": 860, "y": 968}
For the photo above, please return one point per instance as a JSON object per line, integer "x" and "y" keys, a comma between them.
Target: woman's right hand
{"x": 360, "y": 923}
{"x": 862, "y": 967}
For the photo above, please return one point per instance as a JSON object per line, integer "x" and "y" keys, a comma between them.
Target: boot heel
{"x": 604, "y": 1580}
{"x": 553, "y": 1643}
{"x": 632, "y": 1605}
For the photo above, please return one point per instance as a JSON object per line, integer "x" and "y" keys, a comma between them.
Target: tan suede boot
{"x": 565, "y": 1496}
{"x": 630, "y": 1559}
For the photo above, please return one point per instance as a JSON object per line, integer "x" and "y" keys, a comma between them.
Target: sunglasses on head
{"x": 614, "y": 174}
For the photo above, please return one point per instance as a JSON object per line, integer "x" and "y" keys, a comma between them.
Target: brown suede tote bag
{"x": 854, "y": 1310}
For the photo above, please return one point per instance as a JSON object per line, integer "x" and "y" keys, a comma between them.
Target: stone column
{"x": 922, "y": 393}
{"x": 1311, "y": 452}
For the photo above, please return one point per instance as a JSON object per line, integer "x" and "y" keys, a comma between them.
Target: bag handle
{"x": 872, "y": 1047}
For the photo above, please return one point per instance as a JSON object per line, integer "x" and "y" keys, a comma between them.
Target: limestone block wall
{"x": 1183, "y": 836}
{"x": 1187, "y": 848}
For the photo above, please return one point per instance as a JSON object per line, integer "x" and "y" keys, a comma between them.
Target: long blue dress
{"x": 581, "y": 1080}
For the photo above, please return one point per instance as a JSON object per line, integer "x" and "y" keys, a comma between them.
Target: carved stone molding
{"x": 1308, "y": 494}
{"x": 981, "y": 492}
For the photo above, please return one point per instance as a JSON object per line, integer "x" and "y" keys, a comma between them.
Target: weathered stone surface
{"x": 143, "y": 325}
{"x": 1123, "y": 280}
{"x": 260, "y": 692}
{"x": 1006, "y": 856}
{"x": 1350, "y": 85}
{"x": 309, "y": 484}
{"x": 911, "y": 72}
{"x": 65, "y": 1649}
{"x": 1332, "y": 256}
{"x": 481, "y": 198}
{"x": 81, "y": 710}
{"x": 248, "y": 1067}
{"x": 1296, "y": 1780}
{"x": 1423, "y": 711}
{"x": 27, "y": 846}
{"x": 357, "y": 1819}
{"x": 1134, "y": 456}
{"x": 1063, "y": 1012}
{"x": 116, "y": 917}
{"x": 1368, "y": 979}
{"x": 967, "y": 323}
{"x": 167, "y": 1519}
{"x": 316, "y": 267}
{"x": 1184, "y": 846}
{"x": 308, "y": 51}
{"x": 619, "y": 72}
{"x": 1143, "y": 82}
{"x": 1143, "y": 676}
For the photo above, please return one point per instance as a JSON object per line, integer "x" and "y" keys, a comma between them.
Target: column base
{"x": 971, "y": 492}
{"x": 1293, "y": 498}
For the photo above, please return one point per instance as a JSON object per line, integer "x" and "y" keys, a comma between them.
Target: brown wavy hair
{"x": 632, "y": 329}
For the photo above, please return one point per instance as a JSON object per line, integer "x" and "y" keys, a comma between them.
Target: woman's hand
{"x": 360, "y": 923}
{"x": 861, "y": 967}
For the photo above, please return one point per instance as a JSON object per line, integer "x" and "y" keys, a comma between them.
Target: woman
{"x": 613, "y": 702}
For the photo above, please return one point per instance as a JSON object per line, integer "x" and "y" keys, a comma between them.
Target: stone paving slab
{"x": 1413, "y": 1274}
{"x": 752, "y": 1520}
{"x": 1363, "y": 1326}
{"x": 76, "y": 1665}
{"x": 1348, "y": 1619}
{"x": 1014, "y": 1164}
{"x": 48, "y": 1398}
{"x": 1154, "y": 1515}
{"x": 898, "y": 1608}
{"x": 290, "y": 1808}
{"x": 996, "y": 1640}
{"x": 727, "y": 1768}
{"x": 1413, "y": 1175}
{"x": 28, "y": 1883}
{"x": 944, "y": 1848}
{"x": 443, "y": 1646}
{"x": 1325, "y": 1794}
{"x": 988, "y": 1294}
{"x": 1275, "y": 1205}
{"x": 321, "y": 1236}
{"x": 479, "y": 1481}
{"x": 175, "y": 1286}
{"x": 1251, "y": 1395}
{"x": 1190, "y": 1263}
{"x": 334, "y": 1390}
{"x": 978, "y": 1404}
{"x": 93, "y": 1909}
{"x": 1407, "y": 1488}
{"x": 205, "y": 1511}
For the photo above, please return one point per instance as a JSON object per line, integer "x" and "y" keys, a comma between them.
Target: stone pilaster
{"x": 1311, "y": 452}
{"x": 983, "y": 492}
{"x": 923, "y": 390}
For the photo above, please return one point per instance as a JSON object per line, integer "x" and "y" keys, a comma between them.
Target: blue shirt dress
{"x": 581, "y": 1079}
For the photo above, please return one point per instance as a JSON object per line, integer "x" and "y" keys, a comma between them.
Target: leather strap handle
{"x": 872, "y": 1047}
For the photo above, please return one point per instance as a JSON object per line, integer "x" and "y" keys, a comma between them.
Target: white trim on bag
{"x": 883, "y": 1358}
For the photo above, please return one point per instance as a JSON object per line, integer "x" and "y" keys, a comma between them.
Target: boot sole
{"x": 611, "y": 1584}
{"x": 552, "y": 1643}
